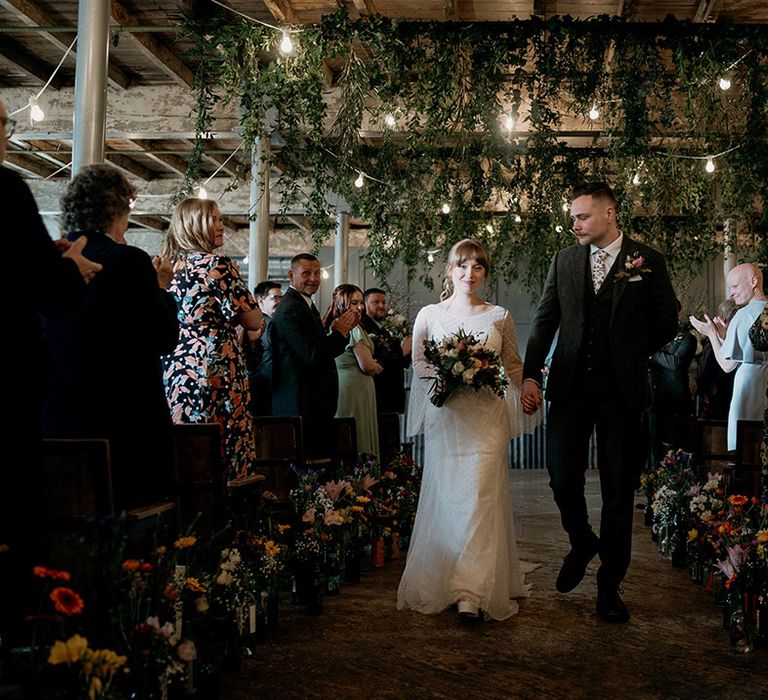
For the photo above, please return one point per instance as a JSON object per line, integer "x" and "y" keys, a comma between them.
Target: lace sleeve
{"x": 519, "y": 422}
{"x": 419, "y": 395}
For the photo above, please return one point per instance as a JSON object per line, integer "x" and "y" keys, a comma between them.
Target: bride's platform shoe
{"x": 468, "y": 611}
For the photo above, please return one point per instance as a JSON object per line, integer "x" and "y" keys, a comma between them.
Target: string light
{"x": 636, "y": 179}
{"x": 360, "y": 180}
{"x": 36, "y": 113}
{"x": 565, "y": 206}
{"x": 710, "y": 166}
{"x": 489, "y": 228}
{"x": 202, "y": 193}
{"x": 518, "y": 218}
{"x": 286, "y": 45}
{"x": 430, "y": 258}
{"x": 325, "y": 274}
{"x": 559, "y": 228}
{"x": 725, "y": 83}
{"x": 594, "y": 113}
{"x": 390, "y": 120}
{"x": 509, "y": 122}
{"x": 446, "y": 208}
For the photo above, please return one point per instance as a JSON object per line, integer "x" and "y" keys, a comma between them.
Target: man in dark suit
{"x": 258, "y": 348}
{"x": 392, "y": 354}
{"x": 304, "y": 378}
{"x": 613, "y": 304}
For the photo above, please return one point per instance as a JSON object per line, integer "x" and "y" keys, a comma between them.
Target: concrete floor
{"x": 556, "y": 647}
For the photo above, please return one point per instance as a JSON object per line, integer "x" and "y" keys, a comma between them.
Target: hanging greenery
{"x": 472, "y": 116}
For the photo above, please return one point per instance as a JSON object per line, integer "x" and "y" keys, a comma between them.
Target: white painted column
{"x": 341, "y": 249}
{"x": 93, "y": 18}
{"x": 258, "y": 229}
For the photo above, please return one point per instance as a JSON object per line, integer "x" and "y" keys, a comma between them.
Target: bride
{"x": 463, "y": 547}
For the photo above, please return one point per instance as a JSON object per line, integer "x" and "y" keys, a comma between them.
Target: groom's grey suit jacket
{"x": 643, "y": 318}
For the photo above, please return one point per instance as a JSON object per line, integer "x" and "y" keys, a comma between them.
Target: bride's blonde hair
{"x": 467, "y": 249}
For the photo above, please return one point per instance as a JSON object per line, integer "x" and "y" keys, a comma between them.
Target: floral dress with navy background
{"x": 205, "y": 378}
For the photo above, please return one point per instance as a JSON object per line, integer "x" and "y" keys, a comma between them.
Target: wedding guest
{"x": 670, "y": 389}
{"x": 205, "y": 376}
{"x": 714, "y": 386}
{"x": 106, "y": 379}
{"x": 736, "y": 352}
{"x": 393, "y": 354}
{"x": 356, "y": 369}
{"x": 304, "y": 378}
{"x": 758, "y": 334}
{"x": 610, "y": 302}
{"x": 463, "y": 549}
{"x": 258, "y": 348}
{"x": 61, "y": 273}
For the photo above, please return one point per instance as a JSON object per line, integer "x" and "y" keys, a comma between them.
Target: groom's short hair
{"x": 599, "y": 190}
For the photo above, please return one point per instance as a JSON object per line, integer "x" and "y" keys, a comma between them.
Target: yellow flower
{"x": 357, "y": 509}
{"x": 282, "y": 528}
{"x": 161, "y": 550}
{"x": 762, "y": 535}
{"x": 185, "y": 542}
{"x": 95, "y": 687}
{"x": 194, "y": 585}
{"x": 271, "y": 548}
{"x": 68, "y": 652}
{"x": 692, "y": 534}
{"x": 363, "y": 499}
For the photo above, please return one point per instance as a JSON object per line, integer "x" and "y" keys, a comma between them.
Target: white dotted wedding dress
{"x": 463, "y": 543}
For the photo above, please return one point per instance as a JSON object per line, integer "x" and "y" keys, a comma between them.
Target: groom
{"x": 613, "y": 304}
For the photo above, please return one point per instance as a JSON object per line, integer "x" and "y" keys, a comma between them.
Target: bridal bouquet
{"x": 461, "y": 361}
{"x": 397, "y": 325}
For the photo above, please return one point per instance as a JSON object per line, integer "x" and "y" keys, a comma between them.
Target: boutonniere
{"x": 634, "y": 267}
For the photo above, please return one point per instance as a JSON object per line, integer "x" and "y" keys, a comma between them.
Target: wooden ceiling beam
{"x": 153, "y": 223}
{"x": 13, "y": 52}
{"x": 212, "y": 154}
{"x": 153, "y": 50}
{"x": 30, "y": 14}
{"x": 130, "y": 167}
{"x": 175, "y": 163}
{"x": 28, "y": 165}
{"x": 281, "y": 10}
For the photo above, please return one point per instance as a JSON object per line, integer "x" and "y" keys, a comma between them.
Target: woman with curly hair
{"x": 206, "y": 379}
{"x": 106, "y": 377}
{"x": 356, "y": 369}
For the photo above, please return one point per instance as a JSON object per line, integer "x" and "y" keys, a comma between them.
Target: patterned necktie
{"x": 598, "y": 268}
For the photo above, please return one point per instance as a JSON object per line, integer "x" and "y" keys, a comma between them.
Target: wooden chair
{"x": 279, "y": 448}
{"x": 343, "y": 446}
{"x": 389, "y": 437}
{"x": 743, "y": 474}
{"x": 199, "y": 474}
{"x": 708, "y": 441}
{"x": 76, "y": 494}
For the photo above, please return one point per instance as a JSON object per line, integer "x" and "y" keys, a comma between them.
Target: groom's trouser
{"x": 621, "y": 451}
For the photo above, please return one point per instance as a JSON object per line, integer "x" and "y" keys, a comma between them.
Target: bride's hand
{"x": 530, "y": 397}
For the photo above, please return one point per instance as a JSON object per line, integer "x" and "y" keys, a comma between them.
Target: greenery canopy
{"x": 475, "y": 116}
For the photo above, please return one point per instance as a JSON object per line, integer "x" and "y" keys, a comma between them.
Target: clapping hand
{"x": 706, "y": 327}
{"x": 347, "y": 321}
{"x": 164, "y": 271}
{"x": 74, "y": 251}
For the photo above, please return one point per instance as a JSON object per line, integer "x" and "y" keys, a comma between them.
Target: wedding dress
{"x": 463, "y": 543}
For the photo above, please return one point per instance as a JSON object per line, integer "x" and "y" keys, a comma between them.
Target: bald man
{"x": 734, "y": 350}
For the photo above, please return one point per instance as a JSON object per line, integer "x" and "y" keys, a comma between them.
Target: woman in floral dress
{"x": 205, "y": 377}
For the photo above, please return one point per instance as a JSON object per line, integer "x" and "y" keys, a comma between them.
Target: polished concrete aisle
{"x": 362, "y": 647}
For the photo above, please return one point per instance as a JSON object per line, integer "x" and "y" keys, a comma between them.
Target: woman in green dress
{"x": 356, "y": 368}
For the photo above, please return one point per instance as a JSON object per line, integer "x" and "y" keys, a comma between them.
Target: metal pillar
{"x": 89, "y": 129}
{"x": 341, "y": 249}
{"x": 258, "y": 229}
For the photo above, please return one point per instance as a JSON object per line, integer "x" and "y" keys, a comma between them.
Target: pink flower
{"x": 187, "y": 650}
{"x": 332, "y": 517}
{"x": 334, "y": 489}
{"x": 309, "y": 516}
{"x": 369, "y": 481}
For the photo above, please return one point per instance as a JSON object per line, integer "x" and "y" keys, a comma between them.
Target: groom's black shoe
{"x": 610, "y": 606}
{"x": 575, "y": 566}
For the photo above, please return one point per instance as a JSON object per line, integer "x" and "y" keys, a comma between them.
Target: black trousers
{"x": 621, "y": 453}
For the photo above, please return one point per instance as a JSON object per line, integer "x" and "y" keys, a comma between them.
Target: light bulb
{"x": 389, "y": 120}
{"x": 710, "y": 166}
{"x": 446, "y": 208}
{"x": 594, "y": 113}
{"x": 202, "y": 193}
{"x": 559, "y": 228}
{"x": 360, "y": 180}
{"x": 132, "y": 204}
{"x": 286, "y": 45}
{"x": 489, "y": 228}
{"x": 36, "y": 114}
{"x": 725, "y": 83}
{"x": 518, "y": 218}
{"x": 565, "y": 206}
{"x": 636, "y": 179}
{"x": 509, "y": 122}
{"x": 245, "y": 260}
{"x": 325, "y": 274}
{"x": 430, "y": 258}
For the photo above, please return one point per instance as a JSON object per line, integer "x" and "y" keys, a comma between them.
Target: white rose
{"x": 458, "y": 368}
{"x": 468, "y": 375}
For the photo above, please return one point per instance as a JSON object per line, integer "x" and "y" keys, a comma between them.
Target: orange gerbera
{"x": 737, "y": 500}
{"x": 66, "y": 601}
{"x": 131, "y": 565}
{"x": 55, "y": 574}
{"x": 185, "y": 542}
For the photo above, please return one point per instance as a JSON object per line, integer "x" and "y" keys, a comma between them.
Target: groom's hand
{"x": 530, "y": 397}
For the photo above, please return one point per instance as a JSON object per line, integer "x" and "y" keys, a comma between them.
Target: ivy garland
{"x": 449, "y": 85}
